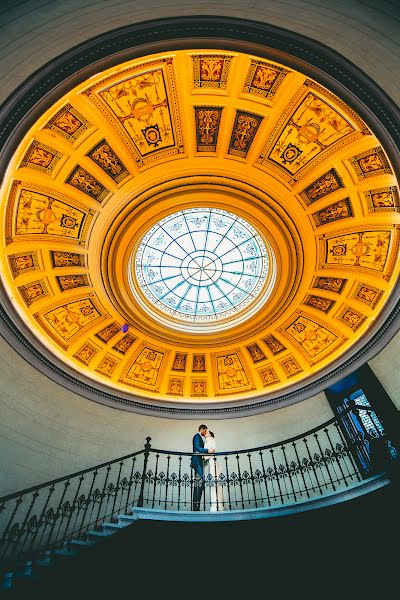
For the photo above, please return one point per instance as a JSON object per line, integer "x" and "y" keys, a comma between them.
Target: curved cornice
{"x": 232, "y": 185}
{"x": 314, "y": 59}
{"x": 321, "y": 63}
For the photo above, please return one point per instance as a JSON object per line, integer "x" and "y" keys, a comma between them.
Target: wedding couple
{"x": 203, "y": 464}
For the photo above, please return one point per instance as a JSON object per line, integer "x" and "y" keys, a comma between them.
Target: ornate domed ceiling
{"x": 199, "y": 226}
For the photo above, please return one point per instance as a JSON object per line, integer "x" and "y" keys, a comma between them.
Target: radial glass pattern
{"x": 201, "y": 264}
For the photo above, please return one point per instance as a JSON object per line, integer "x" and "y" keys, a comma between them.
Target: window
{"x": 201, "y": 264}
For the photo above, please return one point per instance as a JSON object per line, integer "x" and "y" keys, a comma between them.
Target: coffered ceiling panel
{"x": 250, "y": 169}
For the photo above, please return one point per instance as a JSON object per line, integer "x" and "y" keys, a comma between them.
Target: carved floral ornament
{"x": 200, "y": 227}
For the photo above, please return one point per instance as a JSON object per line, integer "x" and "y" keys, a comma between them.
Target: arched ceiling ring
{"x": 324, "y": 65}
{"x": 280, "y": 230}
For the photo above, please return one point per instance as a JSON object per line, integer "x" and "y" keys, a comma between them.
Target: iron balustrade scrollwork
{"x": 320, "y": 461}
{"x": 49, "y": 515}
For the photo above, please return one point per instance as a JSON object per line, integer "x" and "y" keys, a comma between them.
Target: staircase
{"x": 328, "y": 552}
{"x": 41, "y": 573}
{"x": 20, "y": 577}
{"x": 91, "y": 528}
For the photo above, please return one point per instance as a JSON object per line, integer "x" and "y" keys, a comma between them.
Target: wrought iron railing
{"x": 48, "y": 515}
{"x": 320, "y": 461}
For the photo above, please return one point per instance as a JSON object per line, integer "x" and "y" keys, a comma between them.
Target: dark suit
{"x": 197, "y": 465}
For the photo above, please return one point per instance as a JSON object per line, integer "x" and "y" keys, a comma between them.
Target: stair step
{"x": 115, "y": 526}
{"x": 67, "y": 552}
{"x": 26, "y": 570}
{"x": 127, "y": 519}
{"x": 82, "y": 543}
{"x": 99, "y": 534}
{"x": 47, "y": 560}
{"x": 7, "y": 581}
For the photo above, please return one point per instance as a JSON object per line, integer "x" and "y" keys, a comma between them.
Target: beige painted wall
{"x": 45, "y": 430}
{"x": 386, "y": 367}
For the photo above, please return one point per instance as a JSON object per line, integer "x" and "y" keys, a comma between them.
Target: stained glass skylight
{"x": 201, "y": 264}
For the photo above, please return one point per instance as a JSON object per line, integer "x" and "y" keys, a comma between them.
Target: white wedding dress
{"x": 212, "y": 468}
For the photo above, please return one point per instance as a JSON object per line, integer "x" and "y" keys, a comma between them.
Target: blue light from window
{"x": 201, "y": 264}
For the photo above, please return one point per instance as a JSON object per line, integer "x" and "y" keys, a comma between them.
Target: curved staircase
{"x": 45, "y": 528}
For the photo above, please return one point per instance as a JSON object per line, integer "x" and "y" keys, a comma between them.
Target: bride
{"x": 212, "y": 468}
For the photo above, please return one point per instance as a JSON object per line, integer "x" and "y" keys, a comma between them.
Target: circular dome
{"x": 199, "y": 226}
{"x": 201, "y": 265}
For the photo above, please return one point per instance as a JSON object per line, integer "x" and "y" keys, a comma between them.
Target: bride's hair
{"x": 211, "y": 433}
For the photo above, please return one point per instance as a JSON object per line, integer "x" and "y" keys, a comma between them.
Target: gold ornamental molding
{"x": 138, "y": 139}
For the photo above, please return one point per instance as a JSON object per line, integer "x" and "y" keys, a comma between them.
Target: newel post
{"x": 147, "y": 447}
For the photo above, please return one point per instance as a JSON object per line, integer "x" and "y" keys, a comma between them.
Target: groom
{"x": 197, "y": 465}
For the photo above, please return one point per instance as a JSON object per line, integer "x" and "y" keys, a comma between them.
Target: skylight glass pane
{"x": 201, "y": 264}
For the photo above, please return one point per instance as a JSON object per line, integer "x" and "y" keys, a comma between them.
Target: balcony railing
{"x": 320, "y": 461}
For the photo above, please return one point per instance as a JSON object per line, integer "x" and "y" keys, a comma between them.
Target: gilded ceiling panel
{"x": 313, "y": 125}
{"x": 124, "y": 344}
{"x": 107, "y": 365}
{"x": 370, "y": 163}
{"x": 35, "y": 213}
{"x": 333, "y": 212}
{"x": 70, "y": 282}
{"x": 326, "y": 184}
{"x": 367, "y": 293}
{"x": 69, "y": 123}
{"x": 351, "y": 317}
{"x": 254, "y": 139}
{"x": 255, "y": 352}
{"x": 319, "y": 303}
{"x": 314, "y": 338}
{"x": 179, "y": 361}
{"x": 67, "y": 259}
{"x": 290, "y": 366}
{"x": 263, "y": 79}
{"x": 35, "y": 290}
{"x": 383, "y": 199}
{"x": 82, "y": 180}
{"x": 41, "y": 157}
{"x": 175, "y": 386}
{"x": 105, "y": 157}
{"x": 243, "y": 133}
{"x": 268, "y": 376}
{"x": 274, "y": 345}
{"x": 365, "y": 250}
{"x": 86, "y": 353}
{"x": 106, "y": 334}
{"x": 208, "y": 119}
{"x": 312, "y": 128}
{"x": 143, "y": 105}
{"x": 145, "y": 370}
{"x": 231, "y": 375}
{"x": 198, "y": 387}
{"x": 65, "y": 322}
{"x": 211, "y": 70}
{"x": 23, "y": 262}
{"x": 199, "y": 363}
{"x": 330, "y": 284}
